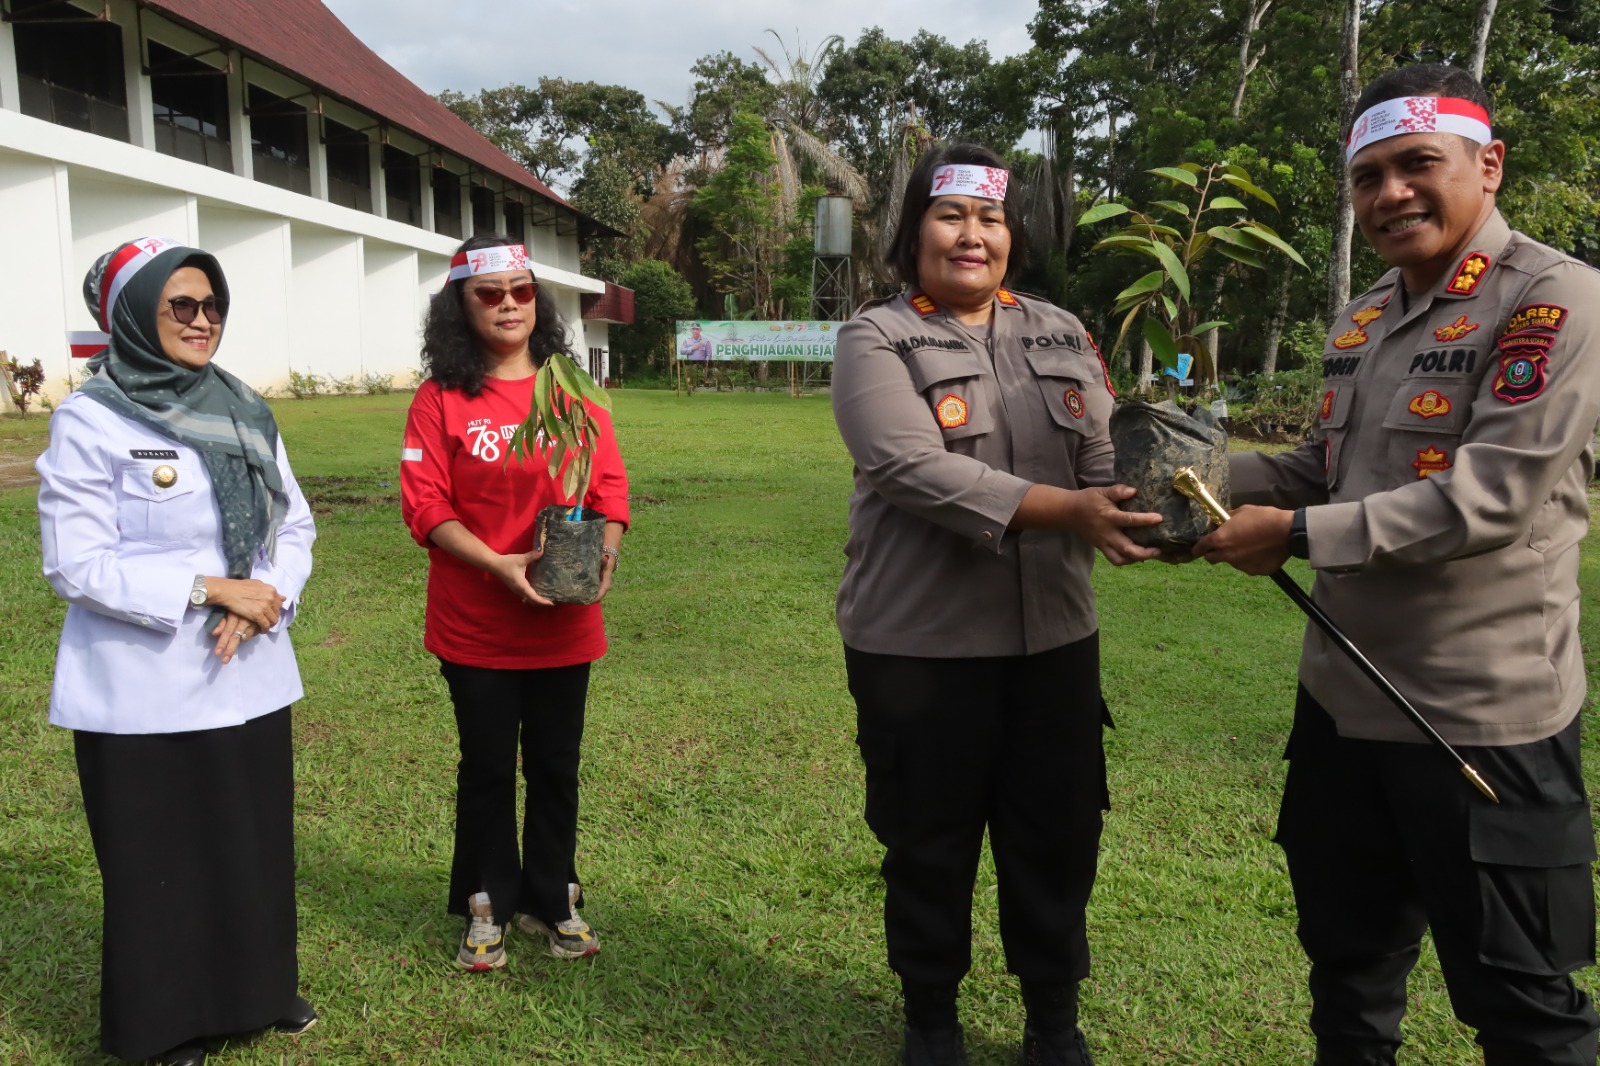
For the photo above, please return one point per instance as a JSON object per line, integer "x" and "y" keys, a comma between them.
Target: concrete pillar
{"x": 380, "y": 182}
{"x": 10, "y": 88}
{"x": 238, "y": 121}
{"x": 141, "y": 106}
{"x": 319, "y": 152}
{"x": 425, "y": 182}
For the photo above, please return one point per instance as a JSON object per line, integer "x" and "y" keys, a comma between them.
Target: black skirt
{"x": 194, "y": 834}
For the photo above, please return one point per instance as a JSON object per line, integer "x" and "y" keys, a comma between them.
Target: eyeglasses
{"x": 494, "y": 295}
{"x": 184, "y": 308}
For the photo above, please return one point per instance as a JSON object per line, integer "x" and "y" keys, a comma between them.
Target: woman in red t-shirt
{"x": 516, "y": 664}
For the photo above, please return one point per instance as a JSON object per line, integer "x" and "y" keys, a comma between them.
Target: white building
{"x": 332, "y": 189}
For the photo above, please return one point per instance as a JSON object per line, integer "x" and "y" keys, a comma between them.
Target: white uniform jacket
{"x": 135, "y": 657}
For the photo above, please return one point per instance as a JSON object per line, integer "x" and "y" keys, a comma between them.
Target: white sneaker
{"x": 570, "y": 938}
{"x": 483, "y": 945}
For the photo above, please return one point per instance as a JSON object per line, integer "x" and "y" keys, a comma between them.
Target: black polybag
{"x": 1155, "y": 440}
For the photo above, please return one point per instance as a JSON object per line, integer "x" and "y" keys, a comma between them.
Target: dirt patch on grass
{"x": 16, "y": 471}
{"x": 327, "y": 494}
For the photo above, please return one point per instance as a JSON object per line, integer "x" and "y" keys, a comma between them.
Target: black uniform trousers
{"x": 952, "y": 746}
{"x": 492, "y": 708}
{"x": 1386, "y": 840}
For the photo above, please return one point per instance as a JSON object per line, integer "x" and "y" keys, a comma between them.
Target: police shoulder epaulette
{"x": 923, "y": 305}
{"x": 1007, "y": 298}
{"x": 1469, "y": 275}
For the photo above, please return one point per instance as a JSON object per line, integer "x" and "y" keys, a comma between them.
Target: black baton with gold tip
{"x": 1187, "y": 482}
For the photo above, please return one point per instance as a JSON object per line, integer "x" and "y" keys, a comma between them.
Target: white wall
{"x": 105, "y": 214}
{"x": 392, "y": 312}
{"x": 253, "y": 248}
{"x": 40, "y": 290}
{"x": 325, "y": 302}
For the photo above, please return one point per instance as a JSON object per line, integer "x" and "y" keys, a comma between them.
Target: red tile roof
{"x": 304, "y": 39}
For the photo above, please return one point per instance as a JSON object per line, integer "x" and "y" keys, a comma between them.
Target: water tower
{"x": 832, "y": 277}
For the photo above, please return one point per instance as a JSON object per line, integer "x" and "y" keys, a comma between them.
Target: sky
{"x": 645, "y": 45}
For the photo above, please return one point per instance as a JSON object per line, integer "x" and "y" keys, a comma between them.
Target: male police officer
{"x": 1441, "y": 500}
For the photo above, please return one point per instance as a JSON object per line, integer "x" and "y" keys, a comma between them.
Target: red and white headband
{"x": 490, "y": 260}
{"x": 128, "y": 261}
{"x": 1419, "y": 114}
{"x": 961, "y": 179}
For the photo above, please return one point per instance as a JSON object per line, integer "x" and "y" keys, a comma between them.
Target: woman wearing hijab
{"x": 174, "y": 529}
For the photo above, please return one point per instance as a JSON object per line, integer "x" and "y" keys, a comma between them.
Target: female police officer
{"x": 978, "y": 422}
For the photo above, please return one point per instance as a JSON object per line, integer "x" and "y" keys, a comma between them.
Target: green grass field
{"x": 730, "y": 876}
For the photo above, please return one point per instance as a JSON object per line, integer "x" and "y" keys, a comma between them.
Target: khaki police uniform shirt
{"x": 949, "y": 426}
{"x": 1445, "y": 484}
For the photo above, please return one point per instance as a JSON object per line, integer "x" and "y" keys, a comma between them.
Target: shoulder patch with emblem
{"x": 1468, "y": 274}
{"x": 1074, "y": 402}
{"x": 1523, "y": 358}
{"x": 1430, "y": 461}
{"x": 1350, "y": 338}
{"x": 1455, "y": 330}
{"x": 951, "y": 412}
{"x": 1007, "y": 299}
{"x": 1430, "y": 404}
{"x": 1367, "y": 316}
{"x": 1536, "y": 316}
{"x": 923, "y": 305}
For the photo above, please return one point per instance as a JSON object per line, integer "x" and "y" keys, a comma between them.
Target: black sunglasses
{"x": 184, "y": 308}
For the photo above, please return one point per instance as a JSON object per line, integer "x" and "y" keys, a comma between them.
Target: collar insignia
{"x": 1430, "y": 404}
{"x": 1430, "y": 461}
{"x": 1350, "y": 338}
{"x": 1366, "y": 316}
{"x": 1455, "y": 330}
{"x": 924, "y": 306}
{"x": 1471, "y": 271}
{"x": 1007, "y": 299}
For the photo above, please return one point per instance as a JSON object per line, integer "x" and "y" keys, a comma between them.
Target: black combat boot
{"x": 1051, "y": 1036}
{"x": 933, "y": 1036}
{"x": 934, "y": 1047}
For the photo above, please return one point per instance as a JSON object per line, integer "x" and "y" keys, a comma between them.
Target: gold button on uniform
{"x": 164, "y": 476}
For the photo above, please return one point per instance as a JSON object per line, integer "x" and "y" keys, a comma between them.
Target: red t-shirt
{"x": 454, "y": 466}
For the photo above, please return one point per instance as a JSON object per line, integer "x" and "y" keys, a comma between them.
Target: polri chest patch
{"x": 1074, "y": 402}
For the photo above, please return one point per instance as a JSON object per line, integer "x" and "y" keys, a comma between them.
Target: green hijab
{"x": 208, "y": 409}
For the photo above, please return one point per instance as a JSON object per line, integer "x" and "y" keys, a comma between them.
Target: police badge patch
{"x": 1074, "y": 403}
{"x": 1430, "y": 461}
{"x": 951, "y": 412}
{"x": 1350, "y": 338}
{"x": 1430, "y": 404}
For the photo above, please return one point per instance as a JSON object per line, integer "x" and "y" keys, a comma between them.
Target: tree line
{"x": 715, "y": 196}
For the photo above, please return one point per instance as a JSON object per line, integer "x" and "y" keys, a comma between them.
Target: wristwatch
{"x": 197, "y": 593}
{"x": 1299, "y": 542}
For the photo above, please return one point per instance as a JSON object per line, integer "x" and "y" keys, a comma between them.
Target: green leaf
{"x": 1239, "y": 237}
{"x": 1177, "y": 207}
{"x": 1172, "y": 308}
{"x": 1276, "y": 241}
{"x": 558, "y": 452}
{"x": 1161, "y": 344}
{"x": 1237, "y": 171}
{"x": 1137, "y": 242}
{"x": 1101, "y": 212}
{"x": 1243, "y": 255}
{"x": 1179, "y": 276}
{"x": 1240, "y": 183}
{"x": 1215, "y": 323}
{"x": 1165, "y": 231}
{"x": 1193, "y": 168}
{"x": 1145, "y": 285}
{"x": 1182, "y": 177}
{"x": 1131, "y": 303}
{"x": 1226, "y": 203}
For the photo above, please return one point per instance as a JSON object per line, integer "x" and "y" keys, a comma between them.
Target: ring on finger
{"x": 242, "y": 634}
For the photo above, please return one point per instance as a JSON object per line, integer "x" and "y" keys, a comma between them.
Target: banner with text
{"x": 793, "y": 341}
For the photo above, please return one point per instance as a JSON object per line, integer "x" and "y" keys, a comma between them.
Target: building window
{"x": 483, "y": 211}
{"x": 516, "y": 223}
{"x": 446, "y": 202}
{"x": 280, "y": 141}
{"x": 69, "y": 67}
{"x": 190, "y": 102}
{"x": 349, "y": 165}
{"x": 402, "y": 179}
